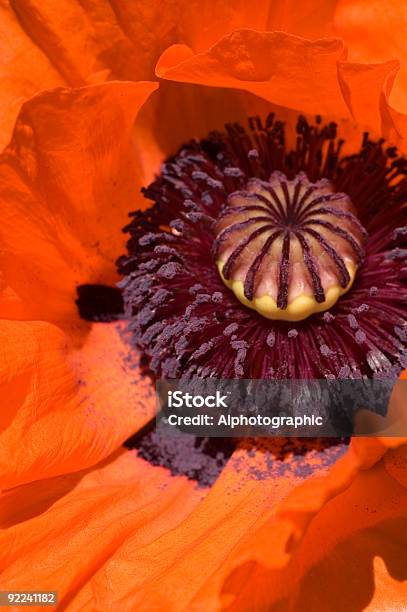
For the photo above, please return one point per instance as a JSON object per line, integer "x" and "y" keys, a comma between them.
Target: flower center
{"x": 288, "y": 248}
{"x": 278, "y": 220}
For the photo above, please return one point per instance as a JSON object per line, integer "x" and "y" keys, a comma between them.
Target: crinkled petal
{"x": 62, "y": 531}
{"x": 309, "y": 76}
{"x": 85, "y": 42}
{"x": 283, "y": 69}
{"x": 374, "y": 31}
{"x": 89, "y": 42}
{"x": 68, "y": 399}
{"x": 67, "y": 182}
{"x": 352, "y": 555}
{"x": 76, "y": 44}
{"x": 107, "y": 526}
{"x": 203, "y": 91}
{"x": 168, "y": 567}
{"x": 23, "y": 69}
{"x": 304, "y": 503}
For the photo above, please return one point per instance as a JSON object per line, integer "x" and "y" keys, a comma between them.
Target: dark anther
{"x": 100, "y": 303}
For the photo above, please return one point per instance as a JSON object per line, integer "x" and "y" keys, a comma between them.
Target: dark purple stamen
{"x": 239, "y": 209}
{"x": 100, "y": 303}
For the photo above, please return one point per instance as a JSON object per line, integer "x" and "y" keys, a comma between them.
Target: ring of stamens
{"x": 287, "y": 248}
{"x": 187, "y": 323}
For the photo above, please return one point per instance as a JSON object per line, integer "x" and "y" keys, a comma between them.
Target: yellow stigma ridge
{"x": 302, "y": 307}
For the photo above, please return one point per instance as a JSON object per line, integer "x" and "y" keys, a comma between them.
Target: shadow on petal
{"x": 336, "y": 565}
{"x": 366, "y": 572}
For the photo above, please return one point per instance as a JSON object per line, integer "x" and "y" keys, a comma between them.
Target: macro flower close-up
{"x": 201, "y": 191}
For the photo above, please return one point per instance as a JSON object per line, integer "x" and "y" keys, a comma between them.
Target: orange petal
{"x": 305, "y": 502}
{"x": 309, "y": 76}
{"x": 88, "y": 518}
{"x": 308, "y": 18}
{"x": 24, "y": 68}
{"x": 179, "y": 112}
{"x": 374, "y": 32}
{"x": 365, "y": 89}
{"x": 69, "y": 400}
{"x": 107, "y": 525}
{"x": 77, "y": 44}
{"x": 67, "y": 182}
{"x": 278, "y": 67}
{"x": 85, "y": 42}
{"x": 170, "y": 565}
{"x": 88, "y": 42}
{"x": 202, "y": 108}
{"x": 351, "y": 557}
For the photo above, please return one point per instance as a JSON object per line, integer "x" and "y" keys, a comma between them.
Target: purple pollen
{"x": 360, "y": 336}
{"x": 244, "y": 198}
{"x": 353, "y": 321}
{"x": 325, "y": 350}
{"x": 253, "y": 154}
{"x": 271, "y": 339}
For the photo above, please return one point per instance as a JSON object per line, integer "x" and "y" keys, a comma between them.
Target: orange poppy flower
{"x": 273, "y": 525}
